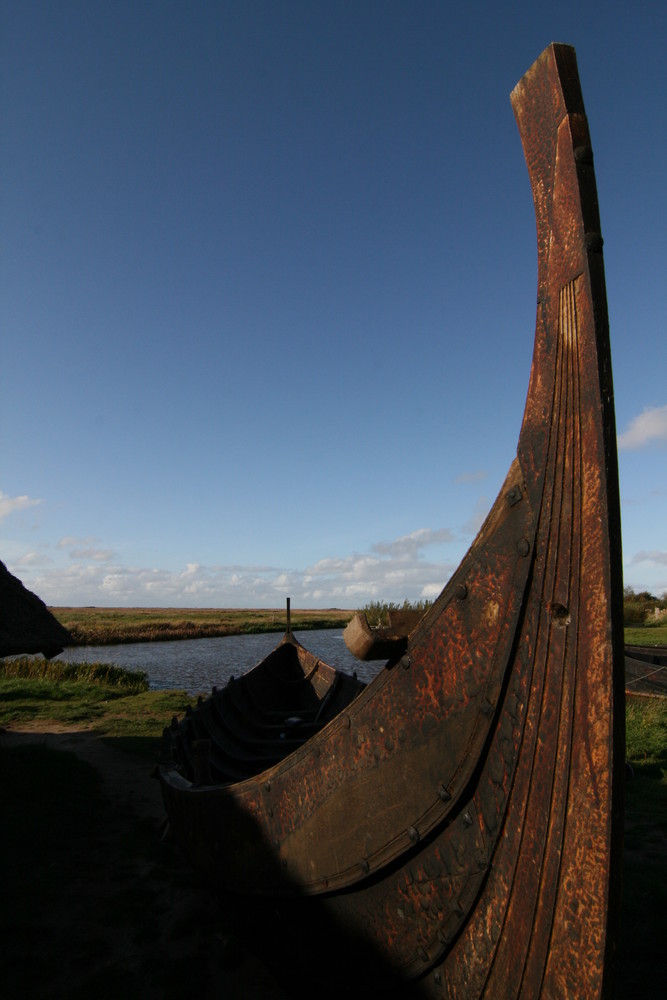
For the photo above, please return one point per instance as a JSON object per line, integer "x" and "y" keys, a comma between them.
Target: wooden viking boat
{"x": 260, "y": 717}
{"x": 458, "y": 825}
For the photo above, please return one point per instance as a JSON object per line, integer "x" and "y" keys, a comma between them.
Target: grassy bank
{"x": 106, "y": 626}
{"x": 114, "y": 702}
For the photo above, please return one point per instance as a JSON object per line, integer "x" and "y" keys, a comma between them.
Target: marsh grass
{"x": 34, "y": 667}
{"x": 105, "y": 626}
{"x": 125, "y": 712}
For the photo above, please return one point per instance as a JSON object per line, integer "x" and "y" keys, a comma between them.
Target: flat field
{"x": 104, "y": 626}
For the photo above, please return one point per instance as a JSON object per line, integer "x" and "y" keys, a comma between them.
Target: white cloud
{"x": 476, "y": 520}
{"x": 34, "y": 559}
{"x": 473, "y": 476}
{"x": 408, "y": 546}
{"x": 97, "y": 555}
{"x": 651, "y": 425}
{"x": 391, "y": 571}
{"x": 84, "y": 548}
{"x": 9, "y": 505}
{"x": 656, "y": 557}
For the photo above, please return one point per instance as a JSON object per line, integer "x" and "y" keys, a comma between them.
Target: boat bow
{"x": 461, "y": 816}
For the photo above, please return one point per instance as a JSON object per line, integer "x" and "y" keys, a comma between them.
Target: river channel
{"x": 197, "y": 664}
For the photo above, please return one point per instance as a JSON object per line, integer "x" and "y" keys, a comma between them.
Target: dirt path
{"x": 133, "y": 919}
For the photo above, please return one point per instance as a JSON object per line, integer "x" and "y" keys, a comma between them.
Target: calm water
{"x": 198, "y": 664}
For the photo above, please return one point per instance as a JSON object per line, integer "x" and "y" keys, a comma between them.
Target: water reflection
{"x": 198, "y": 664}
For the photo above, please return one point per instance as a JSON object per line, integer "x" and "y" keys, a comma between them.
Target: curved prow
{"x": 547, "y": 916}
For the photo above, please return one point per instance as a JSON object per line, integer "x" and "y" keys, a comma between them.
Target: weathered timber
{"x": 457, "y": 827}
{"x": 380, "y": 642}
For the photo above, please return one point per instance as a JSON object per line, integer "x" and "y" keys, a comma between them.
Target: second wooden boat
{"x": 458, "y": 825}
{"x": 381, "y": 642}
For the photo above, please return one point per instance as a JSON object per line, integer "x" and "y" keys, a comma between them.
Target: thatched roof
{"x": 26, "y": 624}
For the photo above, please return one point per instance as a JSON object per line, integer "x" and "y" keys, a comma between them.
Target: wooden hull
{"x": 459, "y": 823}
{"x": 259, "y": 718}
{"x": 380, "y": 643}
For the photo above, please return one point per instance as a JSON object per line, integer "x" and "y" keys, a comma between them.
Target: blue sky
{"x": 268, "y": 282}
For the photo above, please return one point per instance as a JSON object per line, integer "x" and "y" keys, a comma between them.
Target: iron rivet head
{"x": 405, "y": 662}
{"x": 523, "y": 547}
{"x": 268, "y": 786}
{"x": 467, "y": 818}
{"x": 458, "y": 910}
{"x": 461, "y": 591}
{"x": 413, "y": 834}
{"x": 514, "y": 496}
{"x": 269, "y": 812}
{"x": 346, "y": 722}
{"x": 444, "y": 794}
{"x": 276, "y": 843}
{"x": 364, "y": 865}
{"x": 437, "y": 977}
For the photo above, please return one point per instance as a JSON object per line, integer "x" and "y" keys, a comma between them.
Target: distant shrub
{"x": 377, "y": 612}
{"x": 639, "y": 609}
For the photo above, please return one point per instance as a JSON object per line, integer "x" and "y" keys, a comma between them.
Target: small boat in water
{"x": 456, "y": 828}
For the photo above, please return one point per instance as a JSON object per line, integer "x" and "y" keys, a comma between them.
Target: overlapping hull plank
{"x": 460, "y": 819}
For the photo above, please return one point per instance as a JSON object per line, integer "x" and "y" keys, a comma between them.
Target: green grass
{"x": 121, "y": 710}
{"x": 646, "y": 635}
{"x": 130, "y": 681}
{"x": 643, "y": 966}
